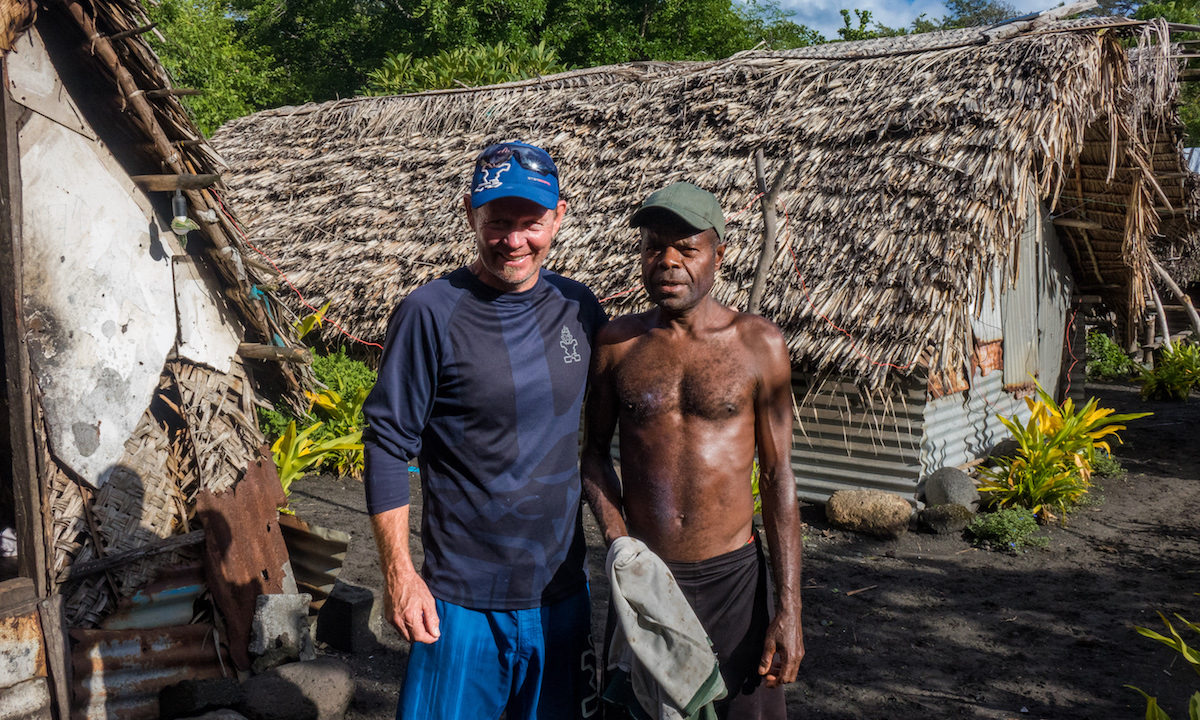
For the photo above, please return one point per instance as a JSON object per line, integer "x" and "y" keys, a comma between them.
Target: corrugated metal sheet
{"x": 1055, "y": 287}
{"x": 987, "y": 319}
{"x": 118, "y": 673}
{"x": 166, "y": 602}
{"x": 961, "y": 427}
{"x": 1019, "y": 303}
{"x": 317, "y": 555}
{"x": 839, "y": 443}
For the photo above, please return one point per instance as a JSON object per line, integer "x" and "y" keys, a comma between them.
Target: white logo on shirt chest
{"x": 569, "y": 345}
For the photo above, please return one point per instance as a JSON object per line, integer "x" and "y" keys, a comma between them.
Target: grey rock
{"x": 222, "y": 714}
{"x": 280, "y": 631}
{"x": 270, "y": 697}
{"x": 324, "y": 686}
{"x": 190, "y": 698}
{"x": 1007, "y": 447}
{"x": 873, "y": 512}
{"x": 945, "y": 519}
{"x": 948, "y": 486}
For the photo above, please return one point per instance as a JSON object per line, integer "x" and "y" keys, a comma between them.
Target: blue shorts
{"x": 538, "y": 664}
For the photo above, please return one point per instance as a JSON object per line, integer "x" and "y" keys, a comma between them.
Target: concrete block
{"x": 345, "y": 620}
{"x": 280, "y": 631}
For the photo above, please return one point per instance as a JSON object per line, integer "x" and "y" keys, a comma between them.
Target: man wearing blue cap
{"x": 482, "y": 379}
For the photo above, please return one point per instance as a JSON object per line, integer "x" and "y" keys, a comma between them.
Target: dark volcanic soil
{"x": 927, "y": 626}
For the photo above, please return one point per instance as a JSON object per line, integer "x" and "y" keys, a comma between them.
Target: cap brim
{"x": 690, "y": 219}
{"x": 547, "y": 198}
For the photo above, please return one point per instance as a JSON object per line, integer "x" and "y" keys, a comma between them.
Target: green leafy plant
{"x": 1106, "y": 360}
{"x": 342, "y": 373}
{"x": 295, "y": 451}
{"x": 1190, "y": 655}
{"x": 1105, "y": 465}
{"x": 309, "y": 322}
{"x": 1175, "y": 373}
{"x": 1009, "y": 529}
{"x": 1053, "y": 464}
{"x": 344, "y": 415}
{"x": 754, "y": 489}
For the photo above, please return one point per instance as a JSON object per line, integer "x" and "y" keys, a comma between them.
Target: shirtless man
{"x": 696, "y": 388}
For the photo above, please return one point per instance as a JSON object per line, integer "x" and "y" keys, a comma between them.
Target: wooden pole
{"x": 1162, "y": 316}
{"x": 255, "y": 351}
{"x": 27, "y": 489}
{"x": 770, "y": 227}
{"x": 1180, "y": 295}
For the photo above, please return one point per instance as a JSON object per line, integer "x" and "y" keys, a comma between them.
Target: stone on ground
{"x": 1007, "y": 447}
{"x": 945, "y": 519}
{"x": 222, "y": 714}
{"x": 950, "y": 485}
{"x": 874, "y": 512}
{"x": 280, "y": 632}
{"x": 319, "y": 689}
{"x": 345, "y": 620}
{"x": 190, "y": 698}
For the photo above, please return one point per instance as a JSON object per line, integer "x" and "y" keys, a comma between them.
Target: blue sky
{"x": 823, "y": 15}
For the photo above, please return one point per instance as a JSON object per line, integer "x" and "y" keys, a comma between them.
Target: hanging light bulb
{"x": 181, "y": 223}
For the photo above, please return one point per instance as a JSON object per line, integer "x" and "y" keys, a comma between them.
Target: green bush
{"x": 346, "y": 375}
{"x": 273, "y": 423}
{"x": 1106, "y": 360}
{"x": 1008, "y": 529}
{"x": 1105, "y": 465}
{"x": 1175, "y": 373}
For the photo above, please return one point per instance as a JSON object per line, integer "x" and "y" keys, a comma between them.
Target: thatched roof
{"x": 913, "y": 160}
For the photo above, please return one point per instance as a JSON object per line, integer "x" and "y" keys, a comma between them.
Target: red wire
{"x": 285, "y": 277}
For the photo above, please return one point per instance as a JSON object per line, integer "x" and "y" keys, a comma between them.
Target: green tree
{"x": 202, "y": 51}
{"x": 970, "y": 13}
{"x": 469, "y": 66}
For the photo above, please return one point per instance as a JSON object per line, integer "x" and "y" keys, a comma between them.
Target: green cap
{"x": 698, "y": 208}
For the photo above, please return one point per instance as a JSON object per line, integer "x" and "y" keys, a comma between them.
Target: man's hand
{"x": 782, "y": 650}
{"x": 409, "y": 607}
{"x": 408, "y": 604}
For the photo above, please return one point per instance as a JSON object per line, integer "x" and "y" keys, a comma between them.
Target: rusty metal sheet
{"x": 118, "y": 673}
{"x": 989, "y": 356}
{"x": 166, "y": 602}
{"x": 29, "y": 700}
{"x": 22, "y": 655}
{"x": 245, "y": 555}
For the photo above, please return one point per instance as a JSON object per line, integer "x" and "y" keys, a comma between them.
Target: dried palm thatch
{"x": 912, "y": 162}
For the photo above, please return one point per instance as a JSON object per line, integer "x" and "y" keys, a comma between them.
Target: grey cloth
{"x": 660, "y": 650}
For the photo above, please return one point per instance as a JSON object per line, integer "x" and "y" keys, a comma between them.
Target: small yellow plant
{"x": 1053, "y": 467}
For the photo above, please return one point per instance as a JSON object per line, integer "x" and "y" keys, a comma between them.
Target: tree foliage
{"x": 200, "y": 50}
{"x": 469, "y": 66}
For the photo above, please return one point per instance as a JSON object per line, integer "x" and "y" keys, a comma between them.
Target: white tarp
{"x": 99, "y": 299}
{"x": 207, "y": 333}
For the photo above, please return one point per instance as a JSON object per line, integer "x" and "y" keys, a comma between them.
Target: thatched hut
{"x": 128, "y": 396}
{"x": 950, "y": 199}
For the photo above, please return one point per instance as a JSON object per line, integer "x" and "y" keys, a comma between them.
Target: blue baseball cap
{"x": 515, "y": 169}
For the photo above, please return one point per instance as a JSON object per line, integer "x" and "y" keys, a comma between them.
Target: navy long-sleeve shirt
{"x": 485, "y": 388}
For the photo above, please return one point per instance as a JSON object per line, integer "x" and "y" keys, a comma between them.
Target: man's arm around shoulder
{"x": 600, "y": 483}
{"x": 777, "y": 487}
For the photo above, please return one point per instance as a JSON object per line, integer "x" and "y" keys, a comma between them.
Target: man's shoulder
{"x": 568, "y": 288}
{"x": 761, "y": 337}
{"x": 446, "y": 290}
{"x": 623, "y": 328}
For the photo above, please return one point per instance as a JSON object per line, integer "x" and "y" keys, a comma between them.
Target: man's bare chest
{"x": 709, "y": 382}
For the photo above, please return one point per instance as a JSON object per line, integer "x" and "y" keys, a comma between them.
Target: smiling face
{"x": 513, "y": 237}
{"x": 679, "y": 263}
